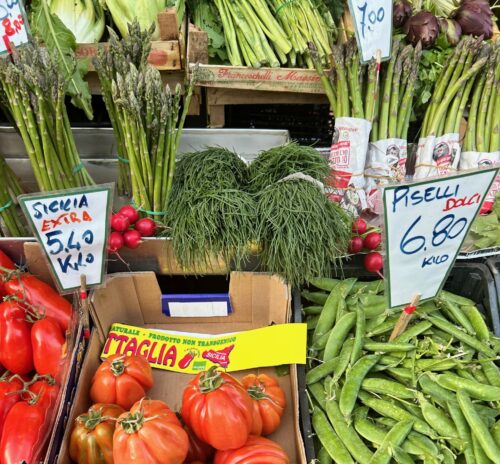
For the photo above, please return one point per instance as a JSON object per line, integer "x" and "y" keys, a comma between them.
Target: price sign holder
{"x": 72, "y": 227}
{"x": 425, "y": 226}
{"x": 14, "y": 28}
{"x": 373, "y": 24}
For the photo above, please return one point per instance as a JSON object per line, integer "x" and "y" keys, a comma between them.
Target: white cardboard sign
{"x": 425, "y": 225}
{"x": 72, "y": 227}
{"x": 13, "y": 25}
{"x": 373, "y": 23}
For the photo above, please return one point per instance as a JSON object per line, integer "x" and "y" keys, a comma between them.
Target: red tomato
{"x": 6, "y": 265}
{"x": 121, "y": 380}
{"x": 16, "y": 353}
{"x": 257, "y": 450}
{"x": 218, "y": 409}
{"x": 43, "y": 392}
{"x": 198, "y": 451}
{"x": 8, "y": 384}
{"x": 269, "y": 402}
{"x": 49, "y": 346}
{"x": 43, "y": 297}
{"x": 149, "y": 434}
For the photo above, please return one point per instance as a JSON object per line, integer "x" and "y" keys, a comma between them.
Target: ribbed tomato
{"x": 218, "y": 409}
{"x": 91, "y": 440}
{"x": 257, "y": 450}
{"x": 198, "y": 451}
{"x": 149, "y": 434}
{"x": 121, "y": 380}
{"x": 268, "y": 402}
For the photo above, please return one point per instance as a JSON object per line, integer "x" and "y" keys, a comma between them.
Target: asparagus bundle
{"x": 145, "y": 116}
{"x": 439, "y": 146}
{"x": 10, "y": 189}
{"x": 32, "y": 91}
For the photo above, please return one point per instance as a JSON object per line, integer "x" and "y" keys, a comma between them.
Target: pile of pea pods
{"x": 431, "y": 395}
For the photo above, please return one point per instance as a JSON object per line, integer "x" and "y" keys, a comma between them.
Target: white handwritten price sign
{"x": 425, "y": 226}
{"x": 373, "y": 24}
{"x": 13, "y": 25}
{"x": 72, "y": 227}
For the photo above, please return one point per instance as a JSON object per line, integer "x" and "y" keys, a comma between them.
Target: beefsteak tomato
{"x": 218, "y": 409}
{"x": 268, "y": 402}
{"x": 43, "y": 297}
{"x": 150, "y": 433}
{"x": 121, "y": 380}
{"x": 257, "y": 450}
{"x": 16, "y": 352}
{"x": 49, "y": 347}
{"x": 91, "y": 440}
{"x": 9, "y": 383}
{"x": 199, "y": 451}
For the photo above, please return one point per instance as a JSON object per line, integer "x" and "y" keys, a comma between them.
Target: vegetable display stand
{"x": 135, "y": 298}
{"x": 470, "y": 280}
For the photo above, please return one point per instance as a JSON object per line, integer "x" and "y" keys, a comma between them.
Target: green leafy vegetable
{"x": 485, "y": 230}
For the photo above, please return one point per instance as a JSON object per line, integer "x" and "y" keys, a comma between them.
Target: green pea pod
{"x": 401, "y": 374}
{"x": 324, "y": 283}
{"x": 374, "y": 311}
{"x": 426, "y": 308}
{"x": 341, "y": 311}
{"x": 383, "y": 386}
{"x": 348, "y": 435}
{"x": 473, "y": 388}
{"x": 392, "y": 440}
{"x": 318, "y": 298}
{"x": 412, "y": 332}
{"x": 312, "y": 322}
{"x": 352, "y": 301}
{"x": 477, "y": 321}
{"x": 382, "y": 328}
{"x": 463, "y": 430}
{"x": 320, "y": 342}
{"x": 359, "y": 335}
{"x": 435, "y": 391}
{"x": 388, "y": 347}
{"x": 460, "y": 300}
{"x": 385, "y": 408}
{"x": 317, "y": 391}
{"x": 478, "y": 374}
{"x": 401, "y": 456}
{"x": 479, "y": 429}
{"x": 495, "y": 432}
{"x": 323, "y": 456}
{"x": 352, "y": 383}
{"x": 465, "y": 374}
{"x": 491, "y": 370}
{"x": 375, "y": 286}
{"x": 329, "y": 313}
{"x": 312, "y": 310}
{"x": 447, "y": 456}
{"x": 435, "y": 364}
{"x": 479, "y": 454}
{"x": 457, "y": 315}
{"x": 344, "y": 358}
{"x": 329, "y": 439}
{"x": 338, "y": 335}
{"x": 321, "y": 371}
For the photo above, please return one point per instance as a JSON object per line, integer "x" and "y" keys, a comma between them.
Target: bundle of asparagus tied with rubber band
{"x": 32, "y": 92}
{"x": 439, "y": 145}
{"x": 387, "y": 152}
{"x": 352, "y": 89}
{"x": 146, "y": 118}
{"x": 481, "y": 145}
{"x": 11, "y": 224}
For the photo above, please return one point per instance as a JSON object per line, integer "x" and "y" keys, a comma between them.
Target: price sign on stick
{"x": 72, "y": 227}
{"x": 13, "y": 25}
{"x": 425, "y": 226}
{"x": 373, "y": 24}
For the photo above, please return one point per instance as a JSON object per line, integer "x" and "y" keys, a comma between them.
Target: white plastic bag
{"x": 437, "y": 156}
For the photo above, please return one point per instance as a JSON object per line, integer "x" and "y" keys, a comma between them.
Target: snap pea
{"x": 324, "y": 283}
{"x": 338, "y": 335}
{"x": 312, "y": 322}
{"x": 439, "y": 421}
{"x": 437, "y": 392}
{"x": 352, "y": 301}
{"x": 367, "y": 299}
{"x": 402, "y": 457}
{"x": 348, "y": 435}
{"x": 478, "y": 427}
{"x": 447, "y": 456}
{"x": 426, "y": 308}
{"x": 312, "y": 310}
{"x": 388, "y": 347}
{"x": 371, "y": 324}
{"x": 456, "y": 314}
{"x": 491, "y": 370}
{"x": 320, "y": 342}
{"x": 396, "y": 389}
{"x": 374, "y": 286}
{"x": 435, "y": 364}
{"x": 352, "y": 384}
{"x": 479, "y": 453}
{"x": 401, "y": 374}
{"x": 357, "y": 349}
{"x": 495, "y": 432}
{"x": 329, "y": 439}
{"x": 460, "y": 300}
{"x": 412, "y": 408}
{"x": 391, "y": 360}
{"x": 318, "y": 298}
{"x": 344, "y": 358}
{"x": 373, "y": 311}
{"x": 412, "y": 332}
{"x": 324, "y": 457}
{"x": 321, "y": 371}
{"x": 341, "y": 311}
{"x": 477, "y": 321}
{"x": 385, "y": 408}
{"x": 465, "y": 374}
{"x": 473, "y": 388}
{"x": 463, "y": 430}
{"x": 392, "y": 440}
{"x": 460, "y": 335}
{"x": 317, "y": 391}
{"x": 478, "y": 374}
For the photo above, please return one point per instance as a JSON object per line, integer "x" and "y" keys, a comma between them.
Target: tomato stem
{"x": 257, "y": 393}
{"x": 91, "y": 420}
{"x": 210, "y": 380}
{"x": 118, "y": 366}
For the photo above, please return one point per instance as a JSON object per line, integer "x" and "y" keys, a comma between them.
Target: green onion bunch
{"x": 278, "y": 162}
{"x": 32, "y": 94}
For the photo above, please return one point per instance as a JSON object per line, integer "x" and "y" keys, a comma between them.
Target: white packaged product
{"x": 437, "y": 156}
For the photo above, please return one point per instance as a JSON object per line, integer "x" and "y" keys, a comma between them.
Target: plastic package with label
{"x": 437, "y": 156}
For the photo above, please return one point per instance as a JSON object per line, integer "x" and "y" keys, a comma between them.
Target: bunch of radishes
{"x": 363, "y": 239}
{"x": 128, "y": 230}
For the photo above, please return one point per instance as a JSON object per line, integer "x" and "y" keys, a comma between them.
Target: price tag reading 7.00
{"x": 72, "y": 228}
{"x": 373, "y": 24}
{"x": 425, "y": 226}
{"x": 13, "y": 25}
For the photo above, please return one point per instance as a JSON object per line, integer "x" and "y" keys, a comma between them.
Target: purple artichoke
{"x": 401, "y": 12}
{"x": 451, "y": 30}
{"x": 423, "y": 27}
{"x": 475, "y": 18}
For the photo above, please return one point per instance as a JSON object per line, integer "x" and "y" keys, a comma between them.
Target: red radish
{"x": 132, "y": 238}
{"x": 119, "y": 222}
{"x": 359, "y": 226}
{"x": 374, "y": 262}
{"x": 130, "y": 212}
{"x": 355, "y": 245}
{"x": 115, "y": 242}
{"x": 372, "y": 241}
{"x": 146, "y": 227}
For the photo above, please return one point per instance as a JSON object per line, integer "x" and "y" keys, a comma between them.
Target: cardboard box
{"x": 258, "y": 300}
